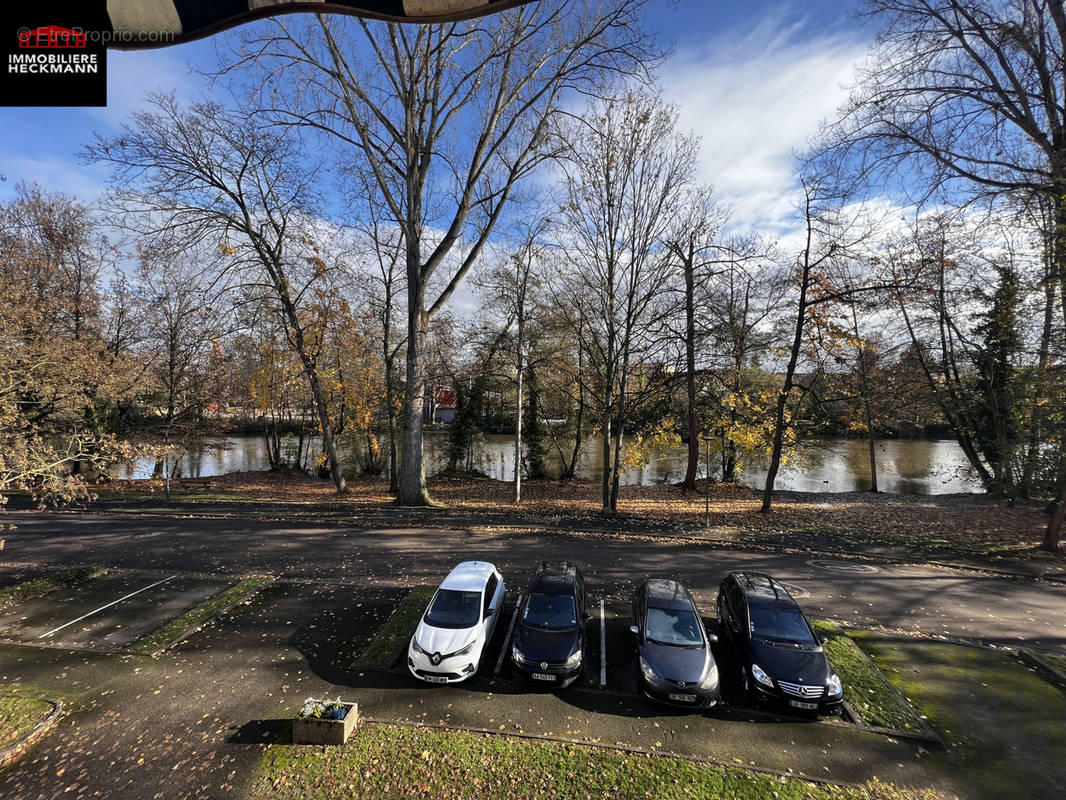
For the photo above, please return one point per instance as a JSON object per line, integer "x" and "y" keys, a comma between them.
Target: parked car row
{"x": 780, "y": 656}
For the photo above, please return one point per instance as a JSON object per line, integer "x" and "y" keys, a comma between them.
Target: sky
{"x": 752, "y": 80}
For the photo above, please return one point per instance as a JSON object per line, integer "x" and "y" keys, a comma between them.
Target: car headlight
{"x": 464, "y": 651}
{"x": 649, "y": 673}
{"x": 760, "y": 676}
{"x": 417, "y": 647}
{"x": 834, "y": 685}
{"x": 516, "y": 654}
{"x": 574, "y": 660}
{"x": 712, "y": 678}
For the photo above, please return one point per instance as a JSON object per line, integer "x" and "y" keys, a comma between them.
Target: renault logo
{"x": 435, "y": 658}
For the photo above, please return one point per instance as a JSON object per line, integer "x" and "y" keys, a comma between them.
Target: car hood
{"x": 688, "y": 664}
{"x": 791, "y": 664}
{"x": 538, "y": 644}
{"x": 444, "y": 640}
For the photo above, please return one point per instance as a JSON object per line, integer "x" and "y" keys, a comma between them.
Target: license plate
{"x": 683, "y": 698}
{"x": 435, "y": 678}
{"x": 801, "y": 704}
{"x": 540, "y": 676}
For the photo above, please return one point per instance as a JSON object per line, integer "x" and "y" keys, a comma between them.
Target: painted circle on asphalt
{"x": 849, "y": 567}
{"x": 796, "y": 591}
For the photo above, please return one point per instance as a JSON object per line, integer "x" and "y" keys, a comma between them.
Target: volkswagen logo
{"x": 681, "y": 684}
{"x": 543, "y": 664}
{"x": 435, "y": 658}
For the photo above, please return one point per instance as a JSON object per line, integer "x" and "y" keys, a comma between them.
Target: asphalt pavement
{"x": 909, "y": 598}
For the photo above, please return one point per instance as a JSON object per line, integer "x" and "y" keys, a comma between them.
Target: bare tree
{"x": 830, "y": 231}
{"x": 513, "y": 290}
{"x": 203, "y": 174}
{"x": 449, "y": 118}
{"x": 968, "y": 95}
{"x": 694, "y": 245}
{"x": 626, "y": 168}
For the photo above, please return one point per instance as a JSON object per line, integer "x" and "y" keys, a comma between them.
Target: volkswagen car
{"x": 780, "y": 654}
{"x": 549, "y": 639}
{"x": 457, "y": 624}
{"x": 677, "y": 666}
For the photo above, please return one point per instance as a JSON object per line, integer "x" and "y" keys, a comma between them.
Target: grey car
{"x": 676, "y": 663}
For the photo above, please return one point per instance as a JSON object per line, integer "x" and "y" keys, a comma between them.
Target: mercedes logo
{"x": 435, "y": 658}
{"x": 543, "y": 664}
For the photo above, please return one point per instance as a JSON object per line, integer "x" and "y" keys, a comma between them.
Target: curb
{"x": 1046, "y": 670}
{"x": 928, "y": 737}
{"x": 12, "y": 754}
{"x": 193, "y": 629}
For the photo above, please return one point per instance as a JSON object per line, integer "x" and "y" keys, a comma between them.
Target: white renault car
{"x": 458, "y": 623}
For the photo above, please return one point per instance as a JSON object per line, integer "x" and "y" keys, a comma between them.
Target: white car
{"x": 458, "y": 623}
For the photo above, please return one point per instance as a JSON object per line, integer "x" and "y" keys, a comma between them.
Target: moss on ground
{"x": 21, "y": 710}
{"x": 1003, "y": 723}
{"x": 46, "y": 584}
{"x": 164, "y": 635}
{"x": 385, "y": 761}
{"x": 865, "y": 689}
{"x": 399, "y": 626}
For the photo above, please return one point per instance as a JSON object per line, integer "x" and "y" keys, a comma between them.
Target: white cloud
{"x": 55, "y": 174}
{"x": 755, "y": 97}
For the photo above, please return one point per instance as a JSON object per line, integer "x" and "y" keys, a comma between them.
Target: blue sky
{"x": 753, "y": 79}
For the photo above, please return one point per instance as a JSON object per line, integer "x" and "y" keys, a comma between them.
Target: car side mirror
{"x": 490, "y": 612}
{"x": 712, "y": 638}
{"x": 823, "y": 639}
{"x": 634, "y": 629}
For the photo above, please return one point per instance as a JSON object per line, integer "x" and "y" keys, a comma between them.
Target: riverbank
{"x": 975, "y": 525}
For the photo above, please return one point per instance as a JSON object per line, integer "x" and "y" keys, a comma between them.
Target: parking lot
{"x": 106, "y": 613}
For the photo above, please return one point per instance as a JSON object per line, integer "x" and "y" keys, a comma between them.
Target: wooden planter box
{"x": 325, "y": 731}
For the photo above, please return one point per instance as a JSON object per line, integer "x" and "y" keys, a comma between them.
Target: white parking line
{"x": 510, "y": 630}
{"x": 603, "y": 649}
{"x": 101, "y": 608}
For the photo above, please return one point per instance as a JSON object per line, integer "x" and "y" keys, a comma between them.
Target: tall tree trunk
{"x": 606, "y": 480}
{"x": 390, "y": 403}
{"x": 328, "y": 442}
{"x": 864, "y": 390}
{"x": 790, "y": 371}
{"x": 518, "y": 423}
{"x": 413, "y": 491}
{"x": 690, "y": 375}
{"x": 616, "y": 468}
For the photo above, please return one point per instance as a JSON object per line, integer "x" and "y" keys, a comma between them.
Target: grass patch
{"x": 384, "y": 761}
{"x": 1004, "y": 723}
{"x": 196, "y": 616}
{"x": 403, "y": 620}
{"x": 21, "y": 710}
{"x": 865, "y": 689}
{"x": 46, "y": 584}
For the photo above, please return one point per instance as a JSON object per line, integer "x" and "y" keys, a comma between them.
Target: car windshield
{"x": 554, "y": 612}
{"x": 781, "y": 624}
{"x": 453, "y": 609}
{"x": 674, "y": 626}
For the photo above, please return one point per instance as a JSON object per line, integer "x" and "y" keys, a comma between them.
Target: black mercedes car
{"x": 780, "y": 654}
{"x": 549, "y": 640}
{"x": 676, "y": 663}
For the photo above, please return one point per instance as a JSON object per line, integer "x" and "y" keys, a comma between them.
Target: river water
{"x": 907, "y": 466}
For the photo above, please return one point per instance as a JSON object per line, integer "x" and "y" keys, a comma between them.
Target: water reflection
{"x": 831, "y": 465}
